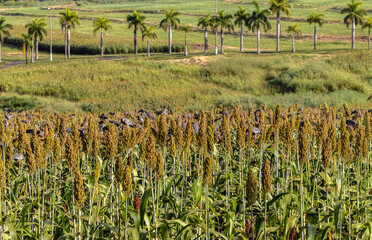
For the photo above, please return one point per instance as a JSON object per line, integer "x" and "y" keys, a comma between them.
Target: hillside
{"x": 93, "y": 85}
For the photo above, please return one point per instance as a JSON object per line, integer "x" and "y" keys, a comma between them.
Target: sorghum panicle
{"x": 266, "y": 177}
{"x": 79, "y": 190}
{"x": 30, "y": 161}
{"x": 251, "y": 188}
{"x": 127, "y": 181}
{"x": 208, "y": 166}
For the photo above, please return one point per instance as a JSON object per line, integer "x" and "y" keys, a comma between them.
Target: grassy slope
{"x": 245, "y": 80}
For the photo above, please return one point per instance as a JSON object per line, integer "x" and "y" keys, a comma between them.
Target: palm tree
{"x": 136, "y": 20}
{"x": 186, "y": 29}
{"x": 37, "y": 29}
{"x": 257, "y": 20}
{"x": 149, "y": 34}
{"x": 4, "y": 31}
{"x": 277, "y": 7}
{"x": 69, "y": 19}
{"x": 293, "y": 31}
{"x": 368, "y": 24}
{"x": 318, "y": 20}
{"x": 223, "y": 21}
{"x": 101, "y": 24}
{"x": 240, "y": 17}
{"x": 170, "y": 21}
{"x": 354, "y": 16}
{"x": 205, "y": 23}
{"x": 27, "y": 44}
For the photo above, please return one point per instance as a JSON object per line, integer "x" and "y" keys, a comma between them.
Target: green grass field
{"x": 333, "y": 36}
{"x": 332, "y": 73}
{"x": 246, "y": 80}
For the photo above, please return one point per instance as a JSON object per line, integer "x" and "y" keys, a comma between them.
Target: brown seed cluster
{"x": 266, "y": 177}
{"x": 208, "y": 166}
{"x": 251, "y": 188}
{"x": 79, "y": 190}
{"x": 127, "y": 181}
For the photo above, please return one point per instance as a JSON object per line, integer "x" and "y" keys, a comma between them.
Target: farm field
{"x": 263, "y": 174}
{"x": 332, "y": 36}
{"x": 257, "y": 144}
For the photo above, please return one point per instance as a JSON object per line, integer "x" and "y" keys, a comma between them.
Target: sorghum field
{"x": 240, "y": 174}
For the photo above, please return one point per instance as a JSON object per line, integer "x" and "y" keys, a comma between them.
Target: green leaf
{"x": 143, "y": 208}
{"x": 311, "y": 232}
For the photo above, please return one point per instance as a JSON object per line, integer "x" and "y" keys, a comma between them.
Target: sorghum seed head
{"x": 251, "y": 188}
{"x": 127, "y": 181}
{"x": 303, "y": 145}
{"x": 137, "y": 203}
{"x": 266, "y": 177}
{"x": 118, "y": 170}
{"x": 327, "y": 151}
{"x": 30, "y": 161}
{"x": 79, "y": 190}
{"x": 208, "y": 166}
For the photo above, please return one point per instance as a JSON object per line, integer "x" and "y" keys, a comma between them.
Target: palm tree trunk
{"x": 258, "y": 40}
{"x": 101, "y": 43}
{"x": 215, "y": 41}
{"x": 170, "y": 39}
{"x": 222, "y": 52}
{"x": 135, "y": 41}
{"x": 315, "y": 37}
{"x": 241, "y": 37}
{"x": 0, "y": 50}
{"x": 68, "y": 42}
{"x": 148, "y": 47}
{"x": 205, "y": 40}
{"x": 369, "y": 42}
{"x": 186, "y": 53}
{"x": 32, "y": 54}
{"x": 353, "y": 35}
{"x": 36, "y": 49}
{"x": 27, "y": 55}
{"x": 65, "y": 44}
{"x": 278, "y": 31}
{"x": 293, "y": 44}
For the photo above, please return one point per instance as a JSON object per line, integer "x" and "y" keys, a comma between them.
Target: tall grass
{"x": 246, "y": 80}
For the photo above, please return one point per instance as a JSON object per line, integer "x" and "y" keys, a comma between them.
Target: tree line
{"x": 255, "y": 21}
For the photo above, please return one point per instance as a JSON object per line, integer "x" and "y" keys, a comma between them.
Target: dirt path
{"x": 11, "y": 64}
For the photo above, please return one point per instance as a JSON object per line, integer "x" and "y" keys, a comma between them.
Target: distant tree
{"x": 4, "y": 31}
{"x": 240, "y": 18}
{"x": 37, "y": 29}
{"x": 368, "y": 24}
{"x": 354, "y": 16}
{"x": 101, "y": 24}
{"x": 149, "y": 34}
{"x": 137, "y": 21}
{"x": 224, "y": 21}
{"x": 205, "y": 23}
{"x": 69, "y": 19}
{"x": 169, "y": 22}
{"x": 186, "y": 29}
{"x": 294, "y": 32}
{"x": 318, "y": 20}
{"x": 277, "y": 7}
{"x": 257, "y": 20}
{"x": 27, "y": 44}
